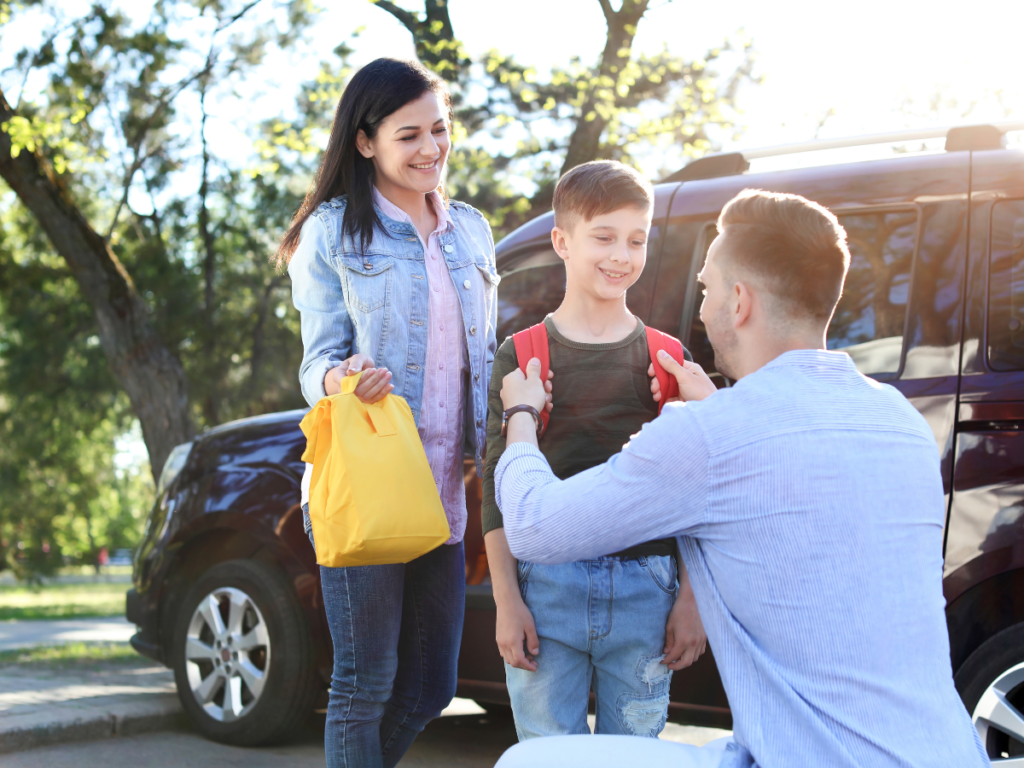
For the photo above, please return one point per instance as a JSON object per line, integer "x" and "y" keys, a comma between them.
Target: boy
{"x": 620, "y": 623}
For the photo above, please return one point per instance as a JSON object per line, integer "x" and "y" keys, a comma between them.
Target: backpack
{"x": 533, "y": 342}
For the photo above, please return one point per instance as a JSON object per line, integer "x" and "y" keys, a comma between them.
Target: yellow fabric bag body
{"x": 372, "y": 497}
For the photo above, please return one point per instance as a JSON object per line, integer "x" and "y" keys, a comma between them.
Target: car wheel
{"x": 242, "y": 656}
{"x": 991, "y": 683}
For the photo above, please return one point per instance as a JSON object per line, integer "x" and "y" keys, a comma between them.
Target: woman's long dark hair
{"x": 377, "y": 91}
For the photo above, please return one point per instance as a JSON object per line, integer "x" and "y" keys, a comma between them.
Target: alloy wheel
{"x": 227, "y": 654}
{"x": 999, "y": 720}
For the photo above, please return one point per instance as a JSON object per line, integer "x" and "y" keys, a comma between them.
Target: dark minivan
{"x": 226, "y": 590}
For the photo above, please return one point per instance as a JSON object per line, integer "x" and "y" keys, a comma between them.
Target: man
{"x": 809, "y": 505}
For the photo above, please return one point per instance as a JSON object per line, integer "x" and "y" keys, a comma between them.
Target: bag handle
{"x": 533, "y": 342}
{"x": 656, "y": 340}
{"x": 382, "y": 425}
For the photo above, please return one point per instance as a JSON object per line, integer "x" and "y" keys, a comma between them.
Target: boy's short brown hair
{"x": 599, "y": 187}
{"x": 797, "y": 247}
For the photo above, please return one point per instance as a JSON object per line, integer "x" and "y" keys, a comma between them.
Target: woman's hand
{"x": 516, "y": 634}
{"x": 373, "y": 387}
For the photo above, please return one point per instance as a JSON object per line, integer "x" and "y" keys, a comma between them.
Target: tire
{"x": 990, "y": 679}
{"x": 242, "y": 656}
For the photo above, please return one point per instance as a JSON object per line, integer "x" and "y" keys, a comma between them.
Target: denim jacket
{"x": 375, "y": 303}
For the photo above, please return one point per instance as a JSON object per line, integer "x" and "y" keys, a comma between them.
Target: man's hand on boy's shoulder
{"x": 518, "y": 388}
{"x": 694, "y": 384}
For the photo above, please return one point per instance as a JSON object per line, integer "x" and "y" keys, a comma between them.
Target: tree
{"x": 609, "y": 110}
{"x": 113, "y": 315}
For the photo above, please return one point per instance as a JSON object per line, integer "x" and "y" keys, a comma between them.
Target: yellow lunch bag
{"x": 372, "y": 498}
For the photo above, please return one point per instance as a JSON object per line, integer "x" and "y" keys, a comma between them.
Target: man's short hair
{"x": 797, "y": 247}
{"x": 599, "y": 187}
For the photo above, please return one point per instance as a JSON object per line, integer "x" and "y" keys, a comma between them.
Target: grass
{"x": 62, "y": 601}
{"x": 75, "y": 655}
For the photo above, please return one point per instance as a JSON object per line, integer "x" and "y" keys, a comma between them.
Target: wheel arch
{"x": 983, "y": 611}
{"x": 212, "y": 546}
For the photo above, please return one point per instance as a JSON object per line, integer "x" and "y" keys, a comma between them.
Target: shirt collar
{"x": 813, "y": 358}
{"x": 392, "y": 211}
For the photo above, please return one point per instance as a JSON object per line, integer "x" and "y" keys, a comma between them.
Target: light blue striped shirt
{"x": 810, "y": 508}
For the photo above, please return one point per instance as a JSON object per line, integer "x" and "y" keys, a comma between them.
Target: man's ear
{"x": 558, "y": 242}
{"x": 743, "y": 304}
{"x": 363, "y": 144}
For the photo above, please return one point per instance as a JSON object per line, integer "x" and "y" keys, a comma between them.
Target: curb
{"x": 125, "y": 720}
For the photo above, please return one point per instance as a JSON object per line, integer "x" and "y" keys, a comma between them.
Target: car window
{"x": 1006, "y": 287}
{"x": 871, "y": 317}
{"x": 532, "y": 288}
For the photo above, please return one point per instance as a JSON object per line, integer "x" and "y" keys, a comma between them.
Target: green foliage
{"x": 62, "y": 601}
{"x": 107, "y": 120}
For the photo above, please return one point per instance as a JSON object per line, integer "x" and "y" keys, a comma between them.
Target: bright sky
{"x": 865, "y": 61}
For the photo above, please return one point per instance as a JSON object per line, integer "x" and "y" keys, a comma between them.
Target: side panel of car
{"x": 984, "y": 575}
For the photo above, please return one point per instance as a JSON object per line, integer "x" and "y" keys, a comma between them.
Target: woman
{"x": 393, "y": 280}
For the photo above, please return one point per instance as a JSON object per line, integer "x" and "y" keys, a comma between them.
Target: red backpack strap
{"x": 531, "y": 343}
{"x": 656, "y": 340}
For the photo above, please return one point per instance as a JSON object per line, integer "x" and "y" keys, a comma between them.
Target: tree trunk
{"x": 150, "y": 374}
{"x": 586, "y": 138}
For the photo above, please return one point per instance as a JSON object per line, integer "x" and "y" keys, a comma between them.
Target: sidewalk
{"x": 29, "y": 633}
{"x": 44, "y": 707}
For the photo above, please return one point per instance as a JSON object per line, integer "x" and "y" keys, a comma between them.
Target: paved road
{"x": 454, "y": 741}
{"x": 24, "y": 634}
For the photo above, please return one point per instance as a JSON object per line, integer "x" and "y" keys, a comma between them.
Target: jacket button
{"x": 367, "y": 266}
{"x": 472, "y": 330}
{"x": 476, "y": 377}
{"x": 448, "y": 249}
{"x": 466, "y": 285}
{"x": 479, "y": 422}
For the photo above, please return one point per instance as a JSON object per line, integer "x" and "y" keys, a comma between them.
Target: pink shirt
{"x": 442, "y": 412}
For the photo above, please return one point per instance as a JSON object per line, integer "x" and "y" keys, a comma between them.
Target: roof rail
{"x": 958, "y": 137}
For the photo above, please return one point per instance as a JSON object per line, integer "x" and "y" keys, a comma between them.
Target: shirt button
{"x": 441, "y": 404}
{"x": 448, "y": 249}
{"x": 466, "y": 285}
{"x": 433, "y": 255}
{"x": 437, "y": 288}
{"x": 441, "y": 366}
{"x": 472, "y": 331}
{"x": 441, "y": 327}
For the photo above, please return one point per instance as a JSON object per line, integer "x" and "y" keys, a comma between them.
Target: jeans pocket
{"x": 523, "y": 574}
{"x": 664, "y": 571}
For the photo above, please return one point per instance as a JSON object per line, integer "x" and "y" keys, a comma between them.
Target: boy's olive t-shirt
{"x": 601, "y": 396}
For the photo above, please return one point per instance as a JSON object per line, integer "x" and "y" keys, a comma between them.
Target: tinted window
{"x": 872, "y": 313}
{"x": 534, "y": 287}
{"x": 1006, "y": 287}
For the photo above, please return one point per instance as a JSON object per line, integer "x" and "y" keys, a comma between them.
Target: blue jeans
{"x": 601, "y": 624}
{"x": 396, "y": 632}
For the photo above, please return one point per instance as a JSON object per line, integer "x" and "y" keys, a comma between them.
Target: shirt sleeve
{"x": 316, "y": 292}
{"x": 505, "y": 362}
{"x": 655, "y": 488}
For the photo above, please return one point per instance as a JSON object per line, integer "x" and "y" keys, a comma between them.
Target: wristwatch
{"x": 521, "y": 409}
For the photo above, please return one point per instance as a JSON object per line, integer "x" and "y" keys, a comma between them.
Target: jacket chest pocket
{"x": 367, "y": 280}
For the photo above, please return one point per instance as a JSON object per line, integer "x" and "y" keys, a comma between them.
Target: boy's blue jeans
{"x": 601, "y": 624}
{"x": 396, "y": 632}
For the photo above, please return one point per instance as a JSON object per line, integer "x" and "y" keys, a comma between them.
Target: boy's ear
{"x": 558, "y": 242}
